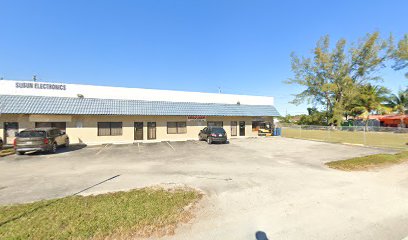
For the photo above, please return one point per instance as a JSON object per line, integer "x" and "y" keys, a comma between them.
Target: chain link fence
{"x": 369, "y": 136}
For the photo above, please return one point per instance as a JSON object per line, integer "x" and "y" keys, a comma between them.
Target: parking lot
{"x": 276, "y": 185}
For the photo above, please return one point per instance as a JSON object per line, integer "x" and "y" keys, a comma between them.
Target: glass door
{"x": 151, "y": 130}
{"x": 234, "y": 128}
{"x": 242, "y": 128}
{"x": 10, "y": 131}
{"x": 138, "y": 130}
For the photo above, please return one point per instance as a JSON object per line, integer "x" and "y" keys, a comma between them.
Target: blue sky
{"x": 242, "y": 47}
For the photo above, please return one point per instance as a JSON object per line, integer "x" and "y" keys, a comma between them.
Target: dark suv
{"x": 213, "y": 134}
{"x": 40, "y": 140}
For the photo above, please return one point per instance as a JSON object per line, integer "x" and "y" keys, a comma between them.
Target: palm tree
{"x": 399, "y": 103}
{"x": 370, "y": 100}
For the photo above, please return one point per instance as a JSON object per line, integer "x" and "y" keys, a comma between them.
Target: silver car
{"x": 40, "y": 140}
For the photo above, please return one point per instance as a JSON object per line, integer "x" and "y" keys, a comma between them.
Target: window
{"x": 215, "y": 124}
{"x": 234, "y": 128}
{"x": 176, "y": 127}
{"x": 109, "y": 128}
{"x": 60, "y": 125}
{"x": 256, "y": 125}
{"x": 31, "y": 134}
{"x": 217, "y": 130}
{"x": 54, "y": 133}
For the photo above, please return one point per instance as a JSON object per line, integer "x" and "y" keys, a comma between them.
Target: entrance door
{"x": 138, "y": 130}
{"x": 234, "y": 128}
{"x": 10, "y": 131}
{"x": 242, "y": 128}
{"x": 151, "y": 130}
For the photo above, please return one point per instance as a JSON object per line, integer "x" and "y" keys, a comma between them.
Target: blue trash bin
{"x": 278, "y": 131}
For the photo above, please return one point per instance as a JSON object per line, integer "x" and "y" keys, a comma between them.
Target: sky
{"x": 239, "y": 47}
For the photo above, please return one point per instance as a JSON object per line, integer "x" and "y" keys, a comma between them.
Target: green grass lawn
{"x": 367, "y": 162}
{"x": 120, "y": 215}
{"x": 376, "y": 139}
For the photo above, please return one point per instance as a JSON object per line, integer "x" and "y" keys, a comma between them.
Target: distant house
{"x": 393, "y": 120}
{"x": 383, "y": 120}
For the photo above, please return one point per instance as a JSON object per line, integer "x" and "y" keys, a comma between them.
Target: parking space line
{"x": 171, "y": 146}
{"x": 101, "y": 150}
{"x": 215, "y": 178}
{"x": 138, "y": 147}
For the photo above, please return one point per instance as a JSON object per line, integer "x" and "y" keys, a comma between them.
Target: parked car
{"x": 1, "y": 143}
{"x": 40, "y": 140}
{"x": 213, "y": 134}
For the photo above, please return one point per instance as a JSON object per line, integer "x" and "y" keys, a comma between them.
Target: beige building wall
{"x": 83, "y": 128}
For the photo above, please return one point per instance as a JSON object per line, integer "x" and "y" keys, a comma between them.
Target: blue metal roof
{"x": 16, "y": 104}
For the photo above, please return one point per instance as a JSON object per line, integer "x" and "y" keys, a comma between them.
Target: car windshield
{"x": 29, "y": 134}
{"x": 217, "y": 130}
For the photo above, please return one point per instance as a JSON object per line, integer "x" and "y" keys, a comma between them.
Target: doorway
{"x": 138, "y": 130}
{"x": 10, "y": 131}
{"x": 242, "y": 128}
{"x": 234, "y": 128}
{"x": 151, "y": 130}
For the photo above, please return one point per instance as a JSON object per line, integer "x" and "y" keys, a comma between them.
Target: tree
{"x": 333, "y": 76}
{"x": 399, "y": 104}
{"x": 400, "y": 54}
{"x": 314, "y": 117}
{"x": 286, "y": 119}
{"x": 370, "y": 100}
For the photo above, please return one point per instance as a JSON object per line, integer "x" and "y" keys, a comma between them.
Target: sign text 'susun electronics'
{"x": 46, "y": 86}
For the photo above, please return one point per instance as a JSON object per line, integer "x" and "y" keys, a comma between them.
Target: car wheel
{"x": 20, "y": 153}
{"x": 66, "y": 143}
{"x": 209, "y": 141}
{"x": 54, "y": 148}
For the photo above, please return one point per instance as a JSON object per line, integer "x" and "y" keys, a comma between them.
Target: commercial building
{"x": 100, "y": 114}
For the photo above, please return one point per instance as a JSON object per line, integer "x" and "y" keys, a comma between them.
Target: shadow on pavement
{"x": 259, "y": 235}
{"x": 71, "y": 148}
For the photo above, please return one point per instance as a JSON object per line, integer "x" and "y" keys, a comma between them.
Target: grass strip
{"x": 120, "y": 215}
{"x": 6, "y": 152}
{"x": 367, "y": 162}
